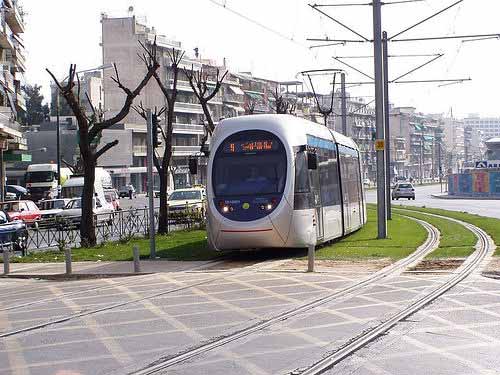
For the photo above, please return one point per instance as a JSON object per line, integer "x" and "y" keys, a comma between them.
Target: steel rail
{"x": 483, "y": 246}
{"x": 428, "y": 246}
{"x": 135, "y": 278}
{"x": 67, "y": 318}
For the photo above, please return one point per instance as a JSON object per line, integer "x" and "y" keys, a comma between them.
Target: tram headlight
{"x": 269, "y": 206}
{"x": 225, "y": 209}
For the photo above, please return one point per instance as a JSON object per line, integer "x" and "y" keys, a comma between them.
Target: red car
{"x": 26, "y": 211}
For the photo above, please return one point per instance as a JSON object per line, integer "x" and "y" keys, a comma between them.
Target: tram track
{"x": 135, "y": 280}
{"x": 484, "y": 247}
{"x": 126, "y": 303}
{"x": 428, "y": 246}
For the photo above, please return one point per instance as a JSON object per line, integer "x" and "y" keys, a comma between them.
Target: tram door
{"x": 344, "y": 172}
{"x": 316, "y": 190}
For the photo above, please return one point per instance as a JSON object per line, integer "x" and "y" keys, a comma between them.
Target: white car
{"x": 186, "y": 200}
{"x": 72, "y": 214}
{"x": 50, "y": 208}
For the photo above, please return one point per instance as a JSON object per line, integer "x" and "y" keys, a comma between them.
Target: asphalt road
{"x": 423, "y": 197}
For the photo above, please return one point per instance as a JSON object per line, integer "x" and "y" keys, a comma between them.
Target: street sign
{"x": 379, "y": 145}
{"x": 488, "y": 164}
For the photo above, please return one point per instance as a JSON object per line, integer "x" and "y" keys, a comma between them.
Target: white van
{"x": 73, "y": 188}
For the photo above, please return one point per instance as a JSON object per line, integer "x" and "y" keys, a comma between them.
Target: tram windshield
{"x": 250, "y": 164}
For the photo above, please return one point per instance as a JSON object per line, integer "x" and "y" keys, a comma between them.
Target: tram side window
{"x": 303, "y": 197}
{"x": 329, "y": 178}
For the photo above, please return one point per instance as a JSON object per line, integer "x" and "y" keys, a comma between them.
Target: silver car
{"x": 403, "y": 190}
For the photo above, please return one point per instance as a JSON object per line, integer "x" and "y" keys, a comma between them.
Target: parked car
{"x": 50, "y": 208}
{"x": 124, "y": 191}
{"x": 24, "y": 210}
{"x": 112, "y": 197}
{"x": 72, "y": 215}
{"x": 186, "y": 200}
{"x": 403, "y": 190}
{"x": 367, "y": 182}
{"x": 18, "y": 191}
{"x": 13, "y": 234}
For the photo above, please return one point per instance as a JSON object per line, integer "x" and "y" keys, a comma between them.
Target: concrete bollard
{"x": 6, "y": 261}
{"x": 67, "y": 256}
{"x": 310, "y": 258}
{"x": 137, "y": 262}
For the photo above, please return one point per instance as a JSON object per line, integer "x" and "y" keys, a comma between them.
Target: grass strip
{"x": 179, "y": 245}
{"x": 488, "y": 224}
{"x": 405, "y": 236}
{"x": 456, "y": 241}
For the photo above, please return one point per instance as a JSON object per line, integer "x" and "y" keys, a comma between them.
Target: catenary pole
{"x": 58, "y": 145}
{"x": 386, "y": 126}
{"x": 343, "y": 103}
{"x": 379, "y": 118}
{"x": 149, "y": 141}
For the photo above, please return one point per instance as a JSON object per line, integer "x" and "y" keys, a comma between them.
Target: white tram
{"x": 281, "y": 181}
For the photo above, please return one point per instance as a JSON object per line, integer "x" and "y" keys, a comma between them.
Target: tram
{"x": 279, "y": 181}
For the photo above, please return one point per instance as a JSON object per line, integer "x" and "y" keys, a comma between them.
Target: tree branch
{"x": 105, "y": 148}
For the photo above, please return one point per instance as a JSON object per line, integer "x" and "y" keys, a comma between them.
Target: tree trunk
{"x": 163, "y": 215}
{"x": 87, "y": 227}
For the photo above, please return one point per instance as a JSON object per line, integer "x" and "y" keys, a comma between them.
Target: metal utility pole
{"x": 58, "y": 151}
{"x": 386, "y": 126}
{"x": 2, "y": 171}
{"x": 440, "y": 166}
{"x": 343, "y": 103}
{"x": 150, "y": 150}
{"x": 379, "y": 120}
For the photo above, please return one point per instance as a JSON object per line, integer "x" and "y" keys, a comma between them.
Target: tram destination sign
{"x": 260, "y": 145}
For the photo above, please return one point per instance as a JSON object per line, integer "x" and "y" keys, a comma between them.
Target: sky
{"x": 271, "y": 42}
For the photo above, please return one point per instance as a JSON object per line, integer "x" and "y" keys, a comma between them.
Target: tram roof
{"x": 294, "y": 126}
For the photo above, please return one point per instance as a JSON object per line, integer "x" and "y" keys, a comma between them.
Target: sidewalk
{"x": 102, "y": 269}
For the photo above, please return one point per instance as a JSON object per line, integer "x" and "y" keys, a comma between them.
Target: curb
{"x": 446, "y": 196}
{"x": 75, "y": 276}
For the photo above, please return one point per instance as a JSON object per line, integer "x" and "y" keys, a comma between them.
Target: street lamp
{"x": 100, "y": 67}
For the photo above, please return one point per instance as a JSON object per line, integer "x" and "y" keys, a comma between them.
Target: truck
{"x": 42, "y": 180}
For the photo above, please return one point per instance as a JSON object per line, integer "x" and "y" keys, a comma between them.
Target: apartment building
{"x": 12, "y": 55}
{"x": 120, "y": 45}
{"x": 488, "y": 126}
{"x": 415, "y": 144}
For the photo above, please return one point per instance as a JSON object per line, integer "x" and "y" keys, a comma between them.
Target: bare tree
{"x": 162, "y": 163}
{"x": 90, "y": 129}
{"x": 283, "y": 105}
{"x": 199, "y": 84}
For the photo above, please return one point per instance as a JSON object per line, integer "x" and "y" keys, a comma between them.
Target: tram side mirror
{"x": 312, "y": 160}
{"x": 193, "y": 166}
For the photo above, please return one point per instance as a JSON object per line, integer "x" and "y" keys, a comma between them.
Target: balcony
{"x": 140, "y": 150}
{"x": 21, "y": 102}
{"x": 9, "y": 80}
{"x": 185, "y": 150}
{"x": 188, "y": 128}
{"x": 188, "y": 108}
{"x": 13, "y": 17}
{"x": 162, "y": 41}
{"x": 233, "y": 98}
{"x": 5, "y": 36}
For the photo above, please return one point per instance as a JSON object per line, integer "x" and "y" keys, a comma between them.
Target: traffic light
{"x": 193, "y": 166}
{"x": 157, "y": 136}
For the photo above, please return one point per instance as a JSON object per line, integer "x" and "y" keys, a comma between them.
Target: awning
{"x": 253, "y": 95}
{"x": 429, "y": 138}
{"x": 236, "y": 90}
{"x": 235, "y": 108}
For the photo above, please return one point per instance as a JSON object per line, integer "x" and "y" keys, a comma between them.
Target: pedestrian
{"x": 130, "y": 191}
